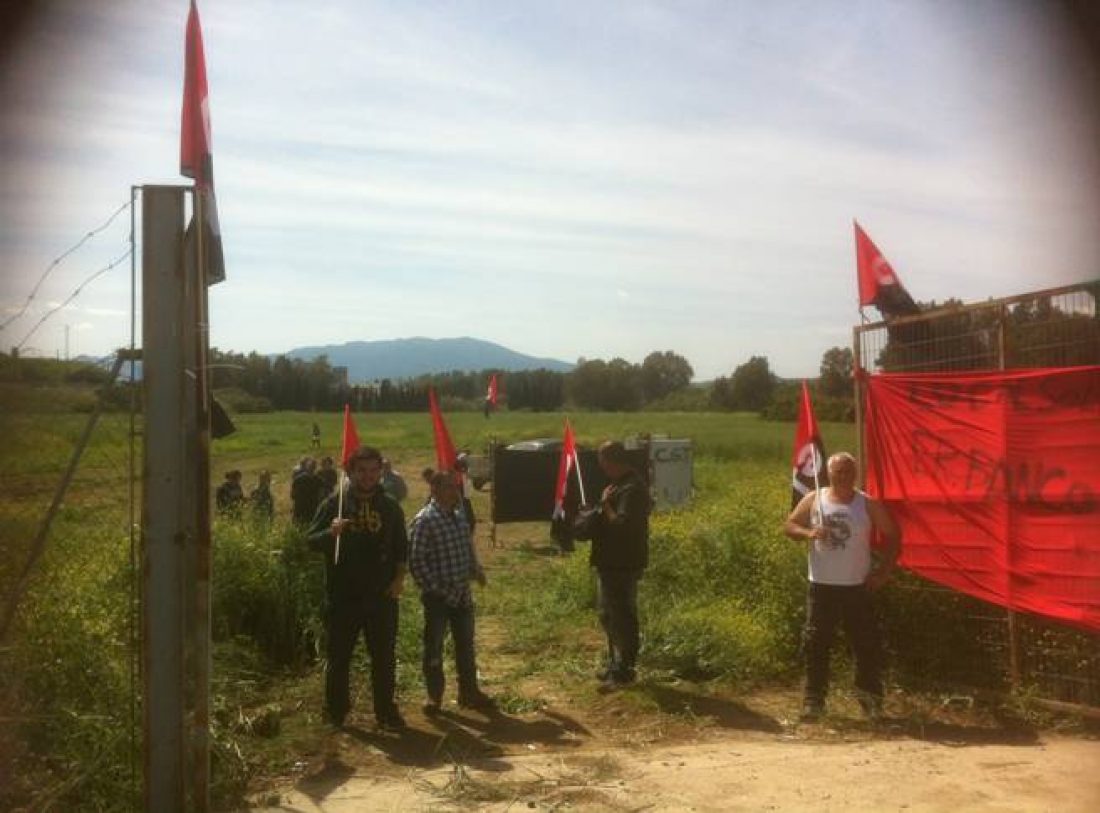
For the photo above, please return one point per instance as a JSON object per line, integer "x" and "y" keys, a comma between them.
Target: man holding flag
{"x": 361, "y": 532}
{"x": 838, "y": 522}
{"x": 620, "y": 553}
{"x": 491, "y": 395}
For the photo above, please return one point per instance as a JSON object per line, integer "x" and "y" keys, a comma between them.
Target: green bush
{"x": 268, "y": 587}
{"x": 67, "y": 676}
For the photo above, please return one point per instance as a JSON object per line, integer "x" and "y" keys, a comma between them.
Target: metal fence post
{"x": 1013, "y": 626}
{"x": 164, "y": 514}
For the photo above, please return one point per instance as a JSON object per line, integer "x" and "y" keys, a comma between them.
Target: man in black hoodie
{"x": 620, "y": 553}
{"x": 366, "y": 556}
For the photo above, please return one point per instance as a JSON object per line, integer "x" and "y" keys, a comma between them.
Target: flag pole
{"x": 339, "y": 514}
{"x": 580, "y": 480}
{"x": 577, "y": 463}
{"x": 817, "y": 488}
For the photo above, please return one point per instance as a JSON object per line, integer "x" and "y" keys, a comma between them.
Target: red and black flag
{"x": 566, "y": 463}
{"x": 196, "y": 156}
{"x": 808, "y": 460}
{"x": 878, "y": 284}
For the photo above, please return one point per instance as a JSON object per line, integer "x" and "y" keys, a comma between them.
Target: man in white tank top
{"x": 838, "y": 523}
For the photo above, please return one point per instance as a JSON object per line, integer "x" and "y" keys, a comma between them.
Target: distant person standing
{"x": 230, "y": 496}
{"x": 328, "y": 474}
{"x": 392, "y": 482}
{"x": 261, "y": 500}
{"x": 443, "y": 561}
{"x": 315, "y": 436}
{"x": 838, "y": 523}
{"x": 306, "y": 492}
{"x": 620, "y": 553}
{"x": 363, "y": 586}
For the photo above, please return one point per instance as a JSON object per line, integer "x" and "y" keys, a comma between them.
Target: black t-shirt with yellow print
{"x": 371, "y": 548}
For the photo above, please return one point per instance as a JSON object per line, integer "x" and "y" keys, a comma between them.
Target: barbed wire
{"x": 57, "y": 261}
{"x": 72, "y": 296}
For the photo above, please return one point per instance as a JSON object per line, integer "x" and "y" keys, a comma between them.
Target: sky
{"x": 567, "y": 179}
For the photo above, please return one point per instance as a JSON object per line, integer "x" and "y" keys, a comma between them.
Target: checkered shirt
{"x": 441, "y": 554}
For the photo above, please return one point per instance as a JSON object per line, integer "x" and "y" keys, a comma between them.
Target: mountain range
{"x": 408, "y": 358}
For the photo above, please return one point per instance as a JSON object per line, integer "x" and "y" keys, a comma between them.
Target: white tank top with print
{"x": 844, "y": 557}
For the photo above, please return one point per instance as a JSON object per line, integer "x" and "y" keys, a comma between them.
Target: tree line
{"x": 1034, "y": 333}
{"x": 253, "y": 382}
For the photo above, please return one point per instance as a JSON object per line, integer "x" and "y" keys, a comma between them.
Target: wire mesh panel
{"x": 983, "y": 645}
{"x": 942, "y": 640}
{"x": 1055, "y": 328}
{"x": 67, "y": 666}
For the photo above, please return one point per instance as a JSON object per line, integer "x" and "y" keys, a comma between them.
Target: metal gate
{"x": 962, "y": 642}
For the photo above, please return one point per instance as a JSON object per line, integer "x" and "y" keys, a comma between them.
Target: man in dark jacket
{"x": 306, "y": 492}
{"x": 229, "y": 496}
{"x": 366, "y": 555}
{"x": 620, "y": 553}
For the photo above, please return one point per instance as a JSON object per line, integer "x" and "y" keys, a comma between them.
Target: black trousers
{"x": 618, "y": 602}
{"x": 827, "y": 607}
{"x": 438, "y": 616}
{"x": 376, "y": 618}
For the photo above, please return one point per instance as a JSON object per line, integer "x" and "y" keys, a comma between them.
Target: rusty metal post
{"x": 857, "y": 366}
{"x": 493, "y": 492}
{"x": 197, "y": 495}
{"x": 1014, "y": 671}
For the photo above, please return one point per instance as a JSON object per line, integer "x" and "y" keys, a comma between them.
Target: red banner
{"x": 995, "y": 481}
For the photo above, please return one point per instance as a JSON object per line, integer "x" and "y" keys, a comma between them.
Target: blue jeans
{"x": 438, "y": 615}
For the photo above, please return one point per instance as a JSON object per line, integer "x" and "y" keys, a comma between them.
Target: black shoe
{"x": 476, "y": 700}
{"x": 812, "y": 710}
{"x": 391, "y": 720}
{"x": 623, "y": 677}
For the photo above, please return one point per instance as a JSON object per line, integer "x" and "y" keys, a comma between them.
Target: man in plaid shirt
{"x": 442, "y": 561}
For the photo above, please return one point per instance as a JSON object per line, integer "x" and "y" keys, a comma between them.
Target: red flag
{"x": 351, "y": 437}
{"x": 491, "y": 395}
{"x": 809, "y": 452}
{"x": 196, "y": 155}
{"x": 444, "y": 449}
{"x": 878, "y": 284}
{"x": 567, "y": 462}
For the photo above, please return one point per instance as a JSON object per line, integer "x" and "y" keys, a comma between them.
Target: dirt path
{"x": 729, "y": 771}
{"x": 667, "y": 744}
